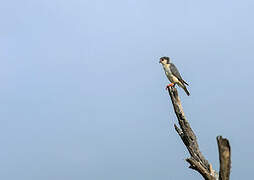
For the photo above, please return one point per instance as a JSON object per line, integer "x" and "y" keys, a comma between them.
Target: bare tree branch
{"x": 225, "y": 158}
{"x": 197, "y": 161}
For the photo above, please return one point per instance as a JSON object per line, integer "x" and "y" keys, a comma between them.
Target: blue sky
{"x": 83, "y": 93}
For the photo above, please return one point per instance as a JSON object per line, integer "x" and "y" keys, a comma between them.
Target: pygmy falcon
{"x": 173, "y": 74}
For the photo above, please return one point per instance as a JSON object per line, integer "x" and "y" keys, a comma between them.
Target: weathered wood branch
{"x": 225, "y": 158}
{"x": 197, "y": 161}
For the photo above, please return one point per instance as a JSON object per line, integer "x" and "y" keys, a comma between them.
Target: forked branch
{"x": 197, "y": 161}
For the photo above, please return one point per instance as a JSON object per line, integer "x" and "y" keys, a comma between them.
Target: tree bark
{"x": 225, "y": 160}
{"x": 197, "y": 161}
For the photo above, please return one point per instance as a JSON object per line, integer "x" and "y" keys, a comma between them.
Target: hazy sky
{"x": 83, "y": 95}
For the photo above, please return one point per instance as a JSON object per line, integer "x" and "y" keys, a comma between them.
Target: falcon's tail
{"x": 185, "y": 82}
{"x": 185, "y": 89}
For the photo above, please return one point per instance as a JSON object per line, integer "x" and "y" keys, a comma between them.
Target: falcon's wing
{"x": 176, "y": 73}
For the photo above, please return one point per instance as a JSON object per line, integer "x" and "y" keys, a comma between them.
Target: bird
{"x": 173, "y": 74}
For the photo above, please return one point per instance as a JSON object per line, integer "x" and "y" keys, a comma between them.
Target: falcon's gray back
{"x": 174, "y": 71}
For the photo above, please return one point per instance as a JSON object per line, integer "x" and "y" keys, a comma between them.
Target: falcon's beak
{"x": 160, "y": 61}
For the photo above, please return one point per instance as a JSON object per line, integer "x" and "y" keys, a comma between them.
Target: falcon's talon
{"x": 170, "y": 85}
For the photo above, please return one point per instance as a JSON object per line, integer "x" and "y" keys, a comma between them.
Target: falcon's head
{"x": 164, "y": 60}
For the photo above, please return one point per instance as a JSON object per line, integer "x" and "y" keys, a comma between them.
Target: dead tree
{"x": 197, "y": 161}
